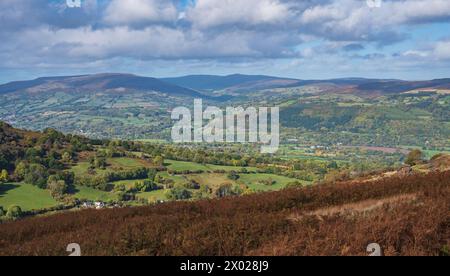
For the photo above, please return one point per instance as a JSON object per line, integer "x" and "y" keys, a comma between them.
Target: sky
{"x": 304, "y": 39}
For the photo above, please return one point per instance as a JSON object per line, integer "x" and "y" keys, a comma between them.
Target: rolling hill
{"x": 377, "y": 87}
{"x": 398, "y": 86}
{"x": 359, "y": 86}
{"x": 236, "y": 82}
{"x": 122, "y": 83}
{"x": 134, "y": 107}
{"x": 188, "y": 86}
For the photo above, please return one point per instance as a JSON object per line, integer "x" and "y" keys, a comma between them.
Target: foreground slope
{"x": 405, "y": 215}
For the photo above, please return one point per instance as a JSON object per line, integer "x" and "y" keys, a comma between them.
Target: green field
{"x": 211, "y": 179}
{"x": 214, "y": 180}
{"x": 86, "y": 193}
{"x": 153, "y": 196}
{"x": 153, "y": 141}
{"x": 27, "y": 196}
{"x": 178, "y": 179}
{"x": 252, "y": 181}
{"x": 114, "y": 164}
{"x": 81, "y": 168}
{"x": 191, "y": 166}
{"x": 126, "y": 163}
{"x": 430, "y": 153}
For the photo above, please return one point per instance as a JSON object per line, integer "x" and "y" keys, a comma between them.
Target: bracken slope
{"x": 405, "y": 215}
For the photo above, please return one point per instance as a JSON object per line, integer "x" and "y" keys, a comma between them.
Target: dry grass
{"x": 359, "y": 208}
{"x": 406, "y": 216}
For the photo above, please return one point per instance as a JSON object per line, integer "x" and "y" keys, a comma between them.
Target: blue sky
{"x": 309, "y": 39}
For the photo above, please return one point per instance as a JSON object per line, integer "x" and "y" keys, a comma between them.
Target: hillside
{"x": 42, "y": 172}
{"x": 389, "y": 87}
{"x": 93, "y": 105}
{"x": 18, "y": 144}
{"x": 240, "y": 84}
{"x": 352, "y": 111}
{"x": 231, "y": 83}
{"x": 405, "y": 215}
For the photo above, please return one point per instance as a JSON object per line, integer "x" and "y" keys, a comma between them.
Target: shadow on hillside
{"x": 72, "y": 190}
{"x": 4, "y": 188}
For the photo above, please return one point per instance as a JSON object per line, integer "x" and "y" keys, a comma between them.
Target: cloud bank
{"x": 332, "y": 37}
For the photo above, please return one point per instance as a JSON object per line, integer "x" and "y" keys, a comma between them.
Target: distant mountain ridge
{"x": 201, "y": 85}
{"x": 398, "y": 86}
{"x": 248, "y": 83}
{"x": 133, "y": 107}
{"x": 236, "y": 81}
{"x": 96, "y": 83}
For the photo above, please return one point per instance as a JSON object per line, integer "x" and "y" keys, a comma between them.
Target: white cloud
{"x": 223, "y": 31}
{"x": 129, "y": 12}
{"x": 213, "y": 13}
{"x": 352, "y": 19}
{"x": 442, "y": 50}
{"x": 434, "y": 51}
{"x": 416, "y": 53}
{"x": 149, "y": 43}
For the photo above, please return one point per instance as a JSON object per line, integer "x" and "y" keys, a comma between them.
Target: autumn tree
{"x": 227, "y": 189}
{"x": 178, "y": 193}
{"x": 57, "y": 187}
{"x": 14, "y": 212}
{"x": 36, "y": 175}
{"x": 146, "y": 186}
{"x": 98, "y": 162}
{"x": 414, "y": 157}
{"x": 151, "y": 175}
{"x": 294, "y": 185}
{"x": 158, "y": 161}
{"x": 21, "y": 170}
{"x": 4, "y": 177}
{"x": 67, "y": 157}
{"x": 233, "y": 176}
